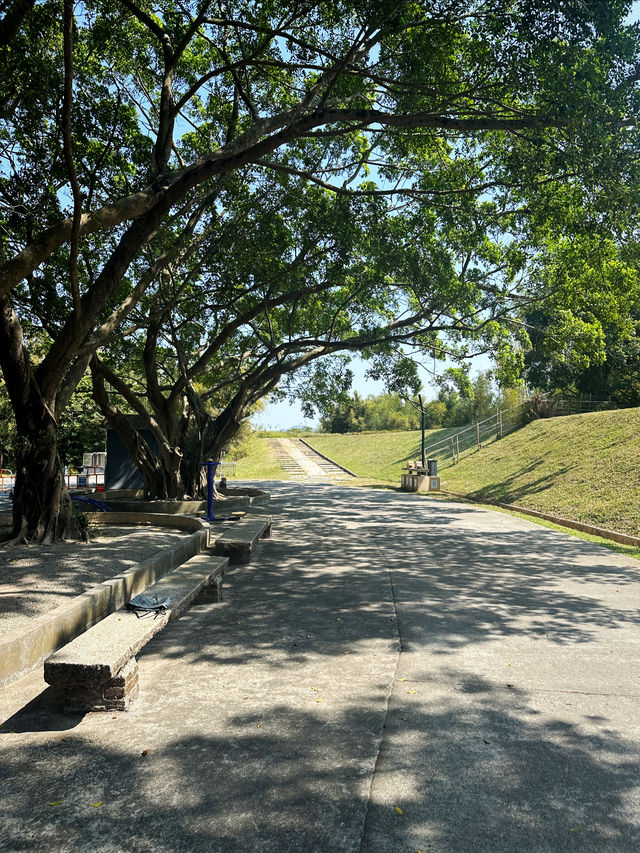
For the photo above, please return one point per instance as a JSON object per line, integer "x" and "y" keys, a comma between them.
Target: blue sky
{"x": 285, "y": 415}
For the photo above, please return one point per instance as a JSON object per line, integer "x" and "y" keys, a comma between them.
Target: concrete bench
{"x": 238, "y": 541}
{"x": 98, "y": 670}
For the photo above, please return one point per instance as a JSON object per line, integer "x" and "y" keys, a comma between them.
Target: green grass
{"x": 259, "y": 463}
{"x": 583, "y": 467}
{"x": 375, "y": 455}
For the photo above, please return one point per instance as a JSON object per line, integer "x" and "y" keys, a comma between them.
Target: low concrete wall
{"x": 24, "y": 649}
{"x": 328, "y": 458}
{"x": 123, "y": 505}
{"x": 156, "y": 519}
{"x": 239, "y": 498}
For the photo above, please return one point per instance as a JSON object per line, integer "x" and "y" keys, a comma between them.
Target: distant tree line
{"x": 460, "y": 401}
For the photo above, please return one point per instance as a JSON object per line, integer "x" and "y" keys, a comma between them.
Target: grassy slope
{"x": 379, "y": 455}
{"x": 584, "y": 467}
{"x": 260, "y": 462}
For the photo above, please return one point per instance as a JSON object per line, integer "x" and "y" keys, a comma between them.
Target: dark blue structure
{"x": 121, "y": 471}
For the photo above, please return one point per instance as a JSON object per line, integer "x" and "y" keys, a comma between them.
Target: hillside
{"x": 378, "y": 455}
{"x": 584, "y": 467}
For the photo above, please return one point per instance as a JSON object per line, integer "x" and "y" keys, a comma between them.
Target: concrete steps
{"x": 286, "y": 450}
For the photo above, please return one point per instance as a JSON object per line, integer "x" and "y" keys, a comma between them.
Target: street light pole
{"x": 424, "y": 459}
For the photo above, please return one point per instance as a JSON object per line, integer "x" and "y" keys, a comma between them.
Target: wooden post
{"x": 457, "y": 449}
{"x": 478, "y": 433}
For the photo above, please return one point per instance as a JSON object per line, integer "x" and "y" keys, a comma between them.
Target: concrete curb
{"x": 22, "y": 650}
{"x": 328, "y": 458}
{"x": 235, "y": 498}
{"x": 613, "y": 535}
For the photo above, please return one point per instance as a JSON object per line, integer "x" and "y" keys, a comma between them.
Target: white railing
{"x": 449, "y": 450}
{"x": 73, "y": 481}
{"x": 6, "y": 482}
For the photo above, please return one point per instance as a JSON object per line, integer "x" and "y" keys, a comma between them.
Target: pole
{"x": 424, "y": 459}
{"x": 211, "y": 467}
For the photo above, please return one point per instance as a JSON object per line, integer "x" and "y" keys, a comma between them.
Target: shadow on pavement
{"x": 230, "y": 749}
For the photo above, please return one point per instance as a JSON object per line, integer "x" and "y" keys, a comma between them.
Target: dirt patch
{"x": 36, "y": 578}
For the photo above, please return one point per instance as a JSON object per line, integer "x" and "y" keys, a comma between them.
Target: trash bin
{"x": 432, "y": 467}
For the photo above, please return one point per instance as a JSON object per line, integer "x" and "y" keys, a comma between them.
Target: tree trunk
{"x": 42, "y": 510}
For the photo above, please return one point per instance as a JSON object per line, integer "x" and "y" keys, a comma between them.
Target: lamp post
{"x": 420, "y": 408}
{"x": 211, "y": 467}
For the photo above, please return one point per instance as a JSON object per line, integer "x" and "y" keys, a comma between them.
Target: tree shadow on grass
{"x": 507, "y": 491}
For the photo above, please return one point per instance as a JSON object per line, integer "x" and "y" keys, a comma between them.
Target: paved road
{"x": 387, "y": 653}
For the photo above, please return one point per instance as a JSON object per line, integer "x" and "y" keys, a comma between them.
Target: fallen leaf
{"x": 319, "y": 699}
{"x": 485, "y": 740}
{"x": 56, "y": 803}
{"x": 95, "y": 805}
{"x": 338, "y": 620}
{"x": 259, "y": 725}
{"x": 315, "y": 688}
{"x": 398, "y": 810}
{"x": 145, "y": 751}
{"x": 346, "y": 653}
{"x": 400, "y": 679}
{"x": 575, "y": 829}
{"x": 411, "y": 692}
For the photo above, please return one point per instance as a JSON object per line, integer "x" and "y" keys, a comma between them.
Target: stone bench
{"x": 237, "y": 542}
{"x": 98, "y": 670}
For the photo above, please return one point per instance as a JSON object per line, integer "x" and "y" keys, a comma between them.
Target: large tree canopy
{"x": 124, "y": 124}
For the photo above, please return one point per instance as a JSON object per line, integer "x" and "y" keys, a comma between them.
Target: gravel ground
{"x": 35, "y": 579}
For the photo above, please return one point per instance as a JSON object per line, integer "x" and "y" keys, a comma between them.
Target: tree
{"x": 345, "y": 416}
{"x": 480, "y": 116}
{"x": 484, "y": 399}
{"x": 381, "y": 412}
{"x": 81, "y": 426}
{"x": 584, "y": 337}
{"x": 320, "y": 277}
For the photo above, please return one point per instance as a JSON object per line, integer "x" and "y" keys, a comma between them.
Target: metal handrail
{"x": 501, "y": 423}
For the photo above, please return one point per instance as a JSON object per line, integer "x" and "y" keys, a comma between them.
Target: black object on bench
{"x": 237, "y": 542}
{"x": 98, "y": 670}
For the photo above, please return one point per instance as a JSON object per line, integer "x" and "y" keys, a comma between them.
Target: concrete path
{"x": 309, "y": 466}
{"x": 394, "y": 673}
